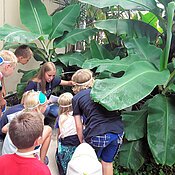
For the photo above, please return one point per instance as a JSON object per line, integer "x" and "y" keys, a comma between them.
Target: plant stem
{"x": 168, "y": 84}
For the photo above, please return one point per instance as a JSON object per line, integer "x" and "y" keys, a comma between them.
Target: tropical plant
{"x": 146, "y": 83}
{"x": 52, "y": 32}
{"x": 130, "y": 60}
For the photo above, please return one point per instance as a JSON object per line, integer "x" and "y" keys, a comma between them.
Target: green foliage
{"x": 130, "y": 63}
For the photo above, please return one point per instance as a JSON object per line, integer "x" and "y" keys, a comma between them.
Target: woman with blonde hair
{"x": 46, "y": 80}
{"x": 67, "y": 134}
{"x": 33, "y": 102}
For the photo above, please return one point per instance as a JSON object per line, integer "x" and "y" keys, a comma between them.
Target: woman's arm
{"x": 66, "y": 83}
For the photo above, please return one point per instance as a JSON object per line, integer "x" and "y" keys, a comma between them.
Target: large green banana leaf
{"x": 13, "y": 34}
{"x": 34, "y": 16}
{"x": 161, "y": 119}
{"x": 144, "y": 50}
{"x": 131, "y": 28}
{"x": 98, "y": 51}
{"x": 71, "y": 59}
{"x": 130, "y": 155}
{"x": 114, "y": 66}
{"x": 64, "y": 20}
{"x": 135, "y": 124}
{"x": 138, "y": 81}
{"x": 74, "y": 36}
{"x": 126, "y": 4}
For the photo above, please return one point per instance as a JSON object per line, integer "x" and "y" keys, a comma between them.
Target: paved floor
{"x": 51, "y": 154}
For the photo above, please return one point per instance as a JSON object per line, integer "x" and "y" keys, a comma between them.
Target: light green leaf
{"x": 64, "y": 20}
{"x": 131, "y": 28}
{"x": 74, "y": 36}
{"x": 138, "y": 81}
{"x": 126, "y": 4}
{"x": 114, "y": 66}
{"x": 13, "y": 34}
{"x": 161, "y": 129}
{"x": 34, "y": 16}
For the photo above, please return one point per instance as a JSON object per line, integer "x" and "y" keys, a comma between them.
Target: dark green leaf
{"x": 161, "y": 129}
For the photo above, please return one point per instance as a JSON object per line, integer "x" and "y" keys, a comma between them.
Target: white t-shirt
{"x": 67, "y": 125}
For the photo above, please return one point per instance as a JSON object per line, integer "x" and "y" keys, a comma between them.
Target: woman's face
{"x": 49, "y": 75}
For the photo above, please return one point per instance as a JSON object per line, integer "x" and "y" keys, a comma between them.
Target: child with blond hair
{"x": 26, "y": 131}
{"x": 103, "y": 128}
{"x": 8, "y": 62}
{"x": 67, "y": 134}
{"x": 33, "y": 102}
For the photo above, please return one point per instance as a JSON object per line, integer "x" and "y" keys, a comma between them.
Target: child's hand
{"x": 2, "y": 105}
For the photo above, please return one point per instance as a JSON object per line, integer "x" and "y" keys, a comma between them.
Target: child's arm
{"x": 5, "y": 128}
{"x": 2, "y": 101}
{"x": 79, "y": 127}
{"x": 3, "y": 87}
{"x": 66, "y": 83}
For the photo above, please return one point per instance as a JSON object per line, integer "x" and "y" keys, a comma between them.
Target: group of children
{"x": 78, "y": 119}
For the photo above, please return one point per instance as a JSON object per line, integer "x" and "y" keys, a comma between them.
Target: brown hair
{"x": 65, "y": 103}
{"x": 25, "y": 129}
{"x": 7, "y": 55}
{"x": 24, "y": 51}
{"x": 83, "y": 80}
{"x": 48, "y": 66}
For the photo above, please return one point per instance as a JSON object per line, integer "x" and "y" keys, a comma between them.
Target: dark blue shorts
{"x": 107, "y": 146}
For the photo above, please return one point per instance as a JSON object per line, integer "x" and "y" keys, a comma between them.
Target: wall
{"x": 9, "y": 14}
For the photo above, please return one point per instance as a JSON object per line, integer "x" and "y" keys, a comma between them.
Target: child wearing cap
{"x": 103, "y": 128}
{"x": 67, "y": 134}
{"x": 25, "y": 131}
{"x": 32, "y": 101}
{"x": 8, "y": 62}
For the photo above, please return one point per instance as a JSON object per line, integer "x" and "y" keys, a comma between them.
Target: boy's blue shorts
{"x": 106, "y": 146}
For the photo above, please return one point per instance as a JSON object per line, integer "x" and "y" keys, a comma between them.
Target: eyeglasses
{"x": 3, "y": 61}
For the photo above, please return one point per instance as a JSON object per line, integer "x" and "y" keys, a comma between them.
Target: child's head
{"x": 65, "y": 103}
{"x": 8, "y": 62}
{"x": 83, "y": 79}
{"x": 24, "y": 54}
{"x": 25, "y": 129}
{"x": 34, "y": 101}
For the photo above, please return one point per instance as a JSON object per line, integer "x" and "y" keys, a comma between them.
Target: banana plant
{"x": 52, "y": 32}
{"x": 146, "y": 84}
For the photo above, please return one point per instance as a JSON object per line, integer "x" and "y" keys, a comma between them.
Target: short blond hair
{"x": 30, "y": 101}
{"x": 65, "y": 102}
{"x": 8, "y": 55}
{"x": 83, "y": 79}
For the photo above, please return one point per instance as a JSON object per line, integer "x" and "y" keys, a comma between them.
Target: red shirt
{"x": 12, "y": 164}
